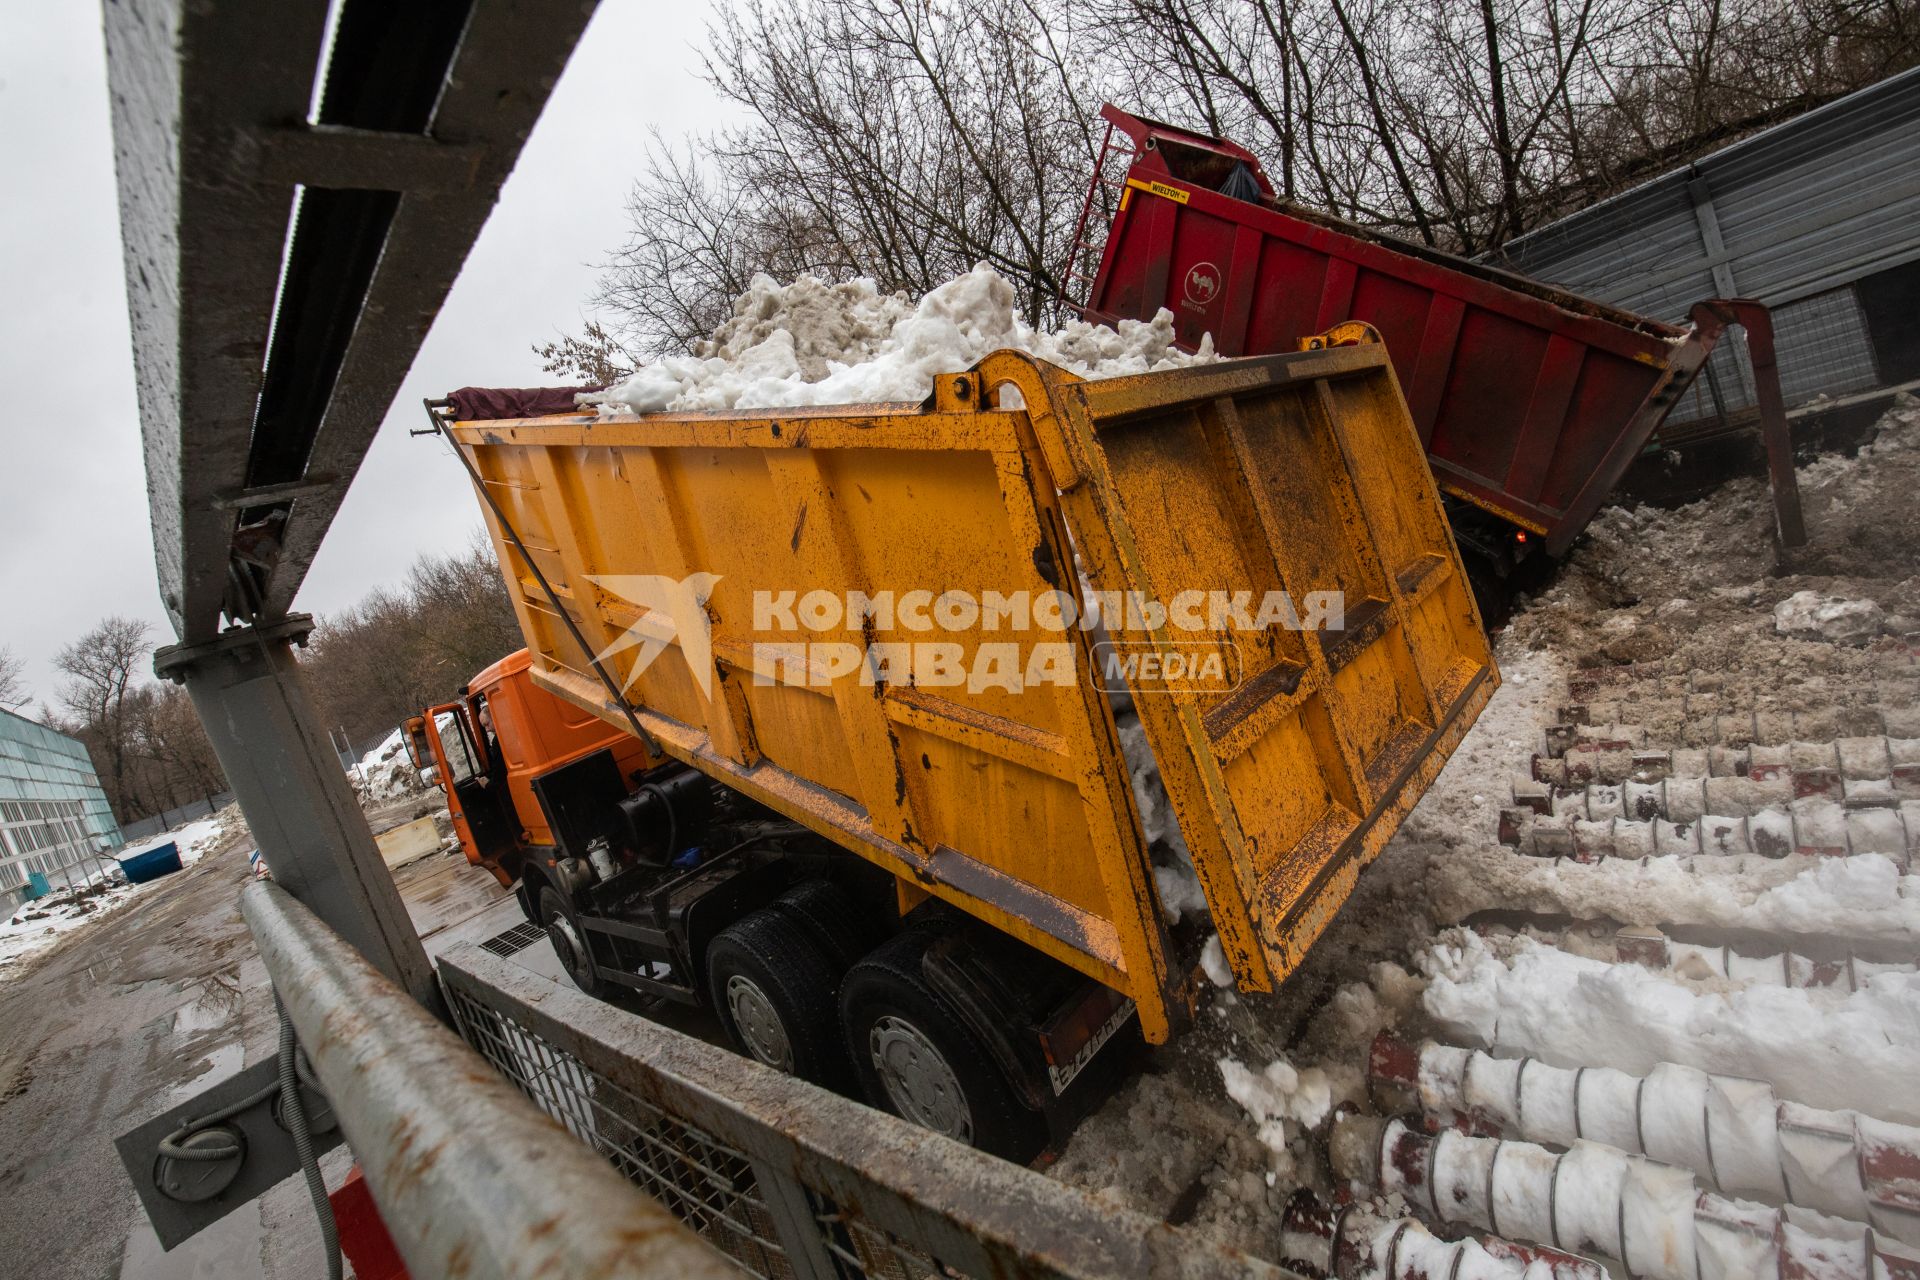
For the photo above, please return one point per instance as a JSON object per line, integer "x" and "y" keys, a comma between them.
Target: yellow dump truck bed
{"x": 869, "y": 618}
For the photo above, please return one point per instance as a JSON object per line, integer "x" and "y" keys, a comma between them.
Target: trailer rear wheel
{"x": 570, "y": 942}
{"x": 773, "y": 990}
{"x": 918, "y": 1059}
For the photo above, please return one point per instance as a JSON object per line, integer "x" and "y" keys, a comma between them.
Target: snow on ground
{"x": 1691, "y": 590}
{"x": 37, "y": 925}
{"x": 1516, "y": 997}
{"x": 387, "y": 772}
{"x": 195, "y": 839}
{"x": 810, "y": 343}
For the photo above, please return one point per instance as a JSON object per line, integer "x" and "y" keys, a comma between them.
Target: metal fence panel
{"x": 1791, "y": 216}
{"x": 786, "y": 1179}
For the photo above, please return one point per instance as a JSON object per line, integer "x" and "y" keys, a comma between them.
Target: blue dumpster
{"x": 151, "y": 864}
{"x": 37, "y": 885}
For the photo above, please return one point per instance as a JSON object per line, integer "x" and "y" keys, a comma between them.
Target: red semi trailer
{"x": 1531, "y": 402}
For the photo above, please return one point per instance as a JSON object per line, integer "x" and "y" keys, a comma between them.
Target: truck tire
{"x": 570, "y": 943}
{"x": 918, "y": 1059}
{"x": 830, "y": 918}
{"x": 773, "y": 990}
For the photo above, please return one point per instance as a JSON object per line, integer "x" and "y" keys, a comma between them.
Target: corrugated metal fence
{"x": 171, "y": 818}
{"x": 1819, "y": 218}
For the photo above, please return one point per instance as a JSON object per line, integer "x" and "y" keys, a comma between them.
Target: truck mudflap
{"x": 654, "y": 563}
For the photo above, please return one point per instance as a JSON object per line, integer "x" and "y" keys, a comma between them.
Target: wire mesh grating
{"x": 707, "y": 1184}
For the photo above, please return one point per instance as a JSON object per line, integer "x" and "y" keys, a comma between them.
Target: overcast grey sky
{"x": 74, "y": 541}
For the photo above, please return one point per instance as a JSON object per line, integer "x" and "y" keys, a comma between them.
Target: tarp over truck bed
{"x": 700, "y": 556}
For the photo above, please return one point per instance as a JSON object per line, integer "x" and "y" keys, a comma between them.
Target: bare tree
{"x": 102, "y": 668}
{"x": 898, "y": 139}
{"x": 13, "y": 680}
{"x": 167, "y": 736}
{"x": 401, "y": 650}
{"x": 907, "y": 140}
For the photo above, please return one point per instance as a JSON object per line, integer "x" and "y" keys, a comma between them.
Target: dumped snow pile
{"x": 387, "y": 772}
{"x": 810, "y": 343}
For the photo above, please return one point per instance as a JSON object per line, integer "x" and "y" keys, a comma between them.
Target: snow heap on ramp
{"x": 812, "y": 343}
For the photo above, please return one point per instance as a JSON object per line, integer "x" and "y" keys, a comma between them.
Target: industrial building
{"x": 1818, "y": 217}
{"x": 54, "y": 818}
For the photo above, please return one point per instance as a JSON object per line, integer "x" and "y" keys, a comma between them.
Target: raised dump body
{"x": 822, "y": 608}
{"x": 1531, "y": 402}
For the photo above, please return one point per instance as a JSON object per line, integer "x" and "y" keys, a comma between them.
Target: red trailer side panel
{"x": 1519, "y": 392}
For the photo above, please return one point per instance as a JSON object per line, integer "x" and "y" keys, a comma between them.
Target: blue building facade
{"x": 54, "y": 817}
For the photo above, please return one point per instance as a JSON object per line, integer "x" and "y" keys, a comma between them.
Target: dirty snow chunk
{"x": 1276, "y": 1094}
{"x": 1808, "y": 613}
{"x": 1180, "y": 892}
{"x": 1149, "y": 791}
{"x": 809, "y": 343}
{"x": 1213, "y": 958}
{"x": 1815, "y": 1047}
{"x": 387, "y": 771}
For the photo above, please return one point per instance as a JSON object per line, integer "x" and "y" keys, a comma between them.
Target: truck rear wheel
{"x": 830, "y": 918}
{"x": 918, "y": 1059}
{"x": 773, "y": 990}
{"x": 570, "y": 942}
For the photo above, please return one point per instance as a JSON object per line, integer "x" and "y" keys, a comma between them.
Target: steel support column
{"x": 247, "y": 688}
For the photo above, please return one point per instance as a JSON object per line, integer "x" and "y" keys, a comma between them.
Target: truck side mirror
{"x": 418, "y": 749}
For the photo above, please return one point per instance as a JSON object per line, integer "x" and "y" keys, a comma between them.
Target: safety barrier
{"x": 688, "y": 1157}
{"x": 470, "y": 1179}
{"x": 786, "y": 1179}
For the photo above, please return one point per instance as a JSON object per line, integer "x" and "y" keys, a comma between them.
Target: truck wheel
{"x": 570, "y": 943}
{"x": 919, "y": 1060}
{"x": 830, "y": 918}
{"x": 773, "y": 990}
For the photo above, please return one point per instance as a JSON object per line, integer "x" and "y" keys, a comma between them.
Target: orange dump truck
{"x": 896, "y": 732}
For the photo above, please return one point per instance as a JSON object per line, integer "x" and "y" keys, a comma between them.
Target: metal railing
{"x": 470, "y": 1179}
{"x": 790, "y": 1180}
{"x": 690, "y": 1161}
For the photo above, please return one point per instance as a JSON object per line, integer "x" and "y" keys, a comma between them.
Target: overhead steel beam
{"x": 507, "y": 64}
{"x": 422, "y": 114}
{"x": 190, "y": 86}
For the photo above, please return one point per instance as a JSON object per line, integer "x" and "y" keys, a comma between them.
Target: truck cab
{"x": 487, "y": 748}
{"x": 651, "y": 878}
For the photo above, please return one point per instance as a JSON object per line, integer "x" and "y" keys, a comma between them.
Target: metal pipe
{"x": 1839, "y": 968}
{"x": 1815, "y": 767}
{"x": 1691, "y": 798}
{"x": 1812, "y": 828}
{"x": 1734, "y": 1134}
{"x": 472, "y": 1179}
{"x": 1354, "y": 1242}
{"x": 1595, "y": 1198}
{"x": 1740, "y": 730}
